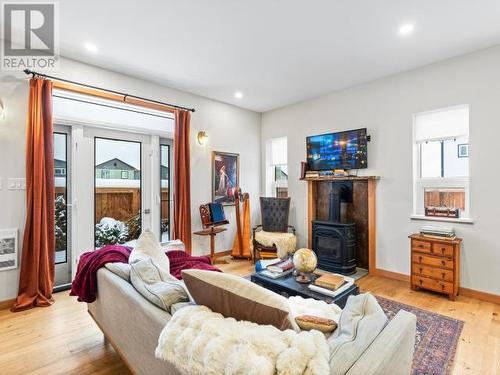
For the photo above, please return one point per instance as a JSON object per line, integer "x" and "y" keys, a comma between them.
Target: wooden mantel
{"x": 370, "y": 182}
{"x": 341, "y": 178}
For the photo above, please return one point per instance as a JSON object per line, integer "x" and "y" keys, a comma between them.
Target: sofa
{"x": 132, "y": 325}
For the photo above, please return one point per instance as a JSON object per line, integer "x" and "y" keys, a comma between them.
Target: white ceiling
{"x": 275, "y": 51}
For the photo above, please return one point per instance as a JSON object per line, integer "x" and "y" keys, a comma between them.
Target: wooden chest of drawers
{"x": 435, "y": 264}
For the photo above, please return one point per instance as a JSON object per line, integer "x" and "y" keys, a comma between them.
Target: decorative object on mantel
{"x": 436, "y": 339}
{"x": 8, "y": 249}
{"x": 225, "y": 177}
{"x": 305, "y": 262}
{"x": 303, "y": 170}
{"x": 435, "y": 264}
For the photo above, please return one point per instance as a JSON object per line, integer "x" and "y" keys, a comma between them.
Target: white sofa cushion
{"x": 360, "y": 323}
{"x": 145, "y": 277}
{"x": 120, "y": 269}
{"x": 148, "y": 247}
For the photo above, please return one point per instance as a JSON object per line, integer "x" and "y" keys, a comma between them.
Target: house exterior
{"x": 59, "y": 168}
{"x": 117, "y": 169}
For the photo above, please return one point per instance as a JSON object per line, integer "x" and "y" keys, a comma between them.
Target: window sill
{"x": 444, "y": 219}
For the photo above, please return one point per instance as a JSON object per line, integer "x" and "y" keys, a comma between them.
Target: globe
{"x": 305, "y": 261}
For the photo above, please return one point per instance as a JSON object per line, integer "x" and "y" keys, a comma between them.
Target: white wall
{"x": 385, "y": 107}
{"x": 229, "y": 128}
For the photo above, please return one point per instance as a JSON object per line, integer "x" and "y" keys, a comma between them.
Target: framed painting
{"x": 8, "y": 249}
{"x": 225, "y": 176}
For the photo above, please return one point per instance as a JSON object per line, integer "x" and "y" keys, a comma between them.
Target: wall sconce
{"x": 3, "y": 110}
{"x": 202, "y": 137}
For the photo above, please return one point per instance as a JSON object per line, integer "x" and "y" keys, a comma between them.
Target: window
{"x": 165, "y": 197}
{"x": 105, "y": 174}
{"x": 124, "y": 175}
{"x": 117, "y": 203}
{"x": 61, "y": 199}
{"x": 441, "y": 163}
{"x": 277, "y": 176}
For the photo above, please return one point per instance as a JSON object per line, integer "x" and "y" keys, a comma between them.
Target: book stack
{"x": 278, "y": 269}
{"x": 331, "y": 284}
{"x": 438, "y": 232}
{"x": 312, "y": 174}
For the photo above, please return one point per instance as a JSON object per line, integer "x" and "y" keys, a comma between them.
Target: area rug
{"x": 436, "y": 341}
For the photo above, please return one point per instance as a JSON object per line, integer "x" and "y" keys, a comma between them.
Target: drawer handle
{"x": 443, "y": 249}
{"x": 442, "y": 286}
{"x": 421, "y": 281}
{"x": 443, "y": 263}
{"x": 421, "y": 246}
{"x": 443, "y": 275}
{"x": 420, "y": 259}
{"x": 421, "y": 269}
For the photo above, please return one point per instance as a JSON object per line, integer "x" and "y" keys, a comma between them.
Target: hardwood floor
{"x": 63, "y": 339}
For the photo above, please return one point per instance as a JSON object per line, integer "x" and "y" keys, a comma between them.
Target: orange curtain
{"x": 37, "y": 259}
{"x": 182, "y": 179}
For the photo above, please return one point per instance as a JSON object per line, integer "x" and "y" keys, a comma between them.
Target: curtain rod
{"x": 33, "y": 73}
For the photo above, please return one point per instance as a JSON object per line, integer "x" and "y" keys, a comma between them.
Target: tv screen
{"x": 343, "y": 150}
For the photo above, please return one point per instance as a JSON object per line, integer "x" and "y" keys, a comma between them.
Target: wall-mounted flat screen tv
{"x": 343, "y": 150}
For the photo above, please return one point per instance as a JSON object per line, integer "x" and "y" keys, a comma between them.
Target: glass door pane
{"x": 61, "y": 229}
{"x": 118, "y": 193}
{"x": 165, "y": 192}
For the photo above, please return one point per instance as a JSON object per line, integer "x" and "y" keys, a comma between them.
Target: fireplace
{"x": 334, "y": 240}
{"x": 335, "y": 246}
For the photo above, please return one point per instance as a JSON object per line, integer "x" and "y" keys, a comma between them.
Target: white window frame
{"x": 280, "y": 183}
{"x": 270, "y": 178}
{"x": 421, "y": 183}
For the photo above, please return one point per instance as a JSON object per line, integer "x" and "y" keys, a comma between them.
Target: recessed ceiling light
{"x": 238, "y": 95}
{"x": 91, "y": 47}
{"x": 406, "y": 29}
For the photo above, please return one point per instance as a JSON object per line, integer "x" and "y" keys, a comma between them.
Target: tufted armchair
{"x": 274, "y": 214}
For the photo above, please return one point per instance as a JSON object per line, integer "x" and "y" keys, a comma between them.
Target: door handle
{"x": 147, "y": 211}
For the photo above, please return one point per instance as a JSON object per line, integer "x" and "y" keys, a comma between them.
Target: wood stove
{"x": 334, "y": 241}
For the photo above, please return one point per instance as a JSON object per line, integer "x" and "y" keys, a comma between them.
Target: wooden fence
{"x": 450, "y": 199}
{"x": 122, "y": 203}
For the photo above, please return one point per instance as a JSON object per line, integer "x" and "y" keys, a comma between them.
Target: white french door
{"x": 113, "y": 186}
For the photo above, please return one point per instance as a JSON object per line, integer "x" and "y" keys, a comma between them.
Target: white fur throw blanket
{"x": 199, "y": 341}
{"x": 285, "y": 242}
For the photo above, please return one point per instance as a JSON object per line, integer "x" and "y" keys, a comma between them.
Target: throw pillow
{"x": 233, "y": 296}
{"x": 146, "y": 279}
{"x": 148, "y": 247}
{"x": 308, "y": 322}
{"x": 173, "y": 245}
{"x": 120, "y": 269}
{"x": 360, "y": 323}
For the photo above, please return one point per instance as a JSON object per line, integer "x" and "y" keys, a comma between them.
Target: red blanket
{"x": 84, "y": 285}
{"x": 179, "y": 260}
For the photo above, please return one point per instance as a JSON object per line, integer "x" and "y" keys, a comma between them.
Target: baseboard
{"x": 466, "y": 292}
{"x": 223, "y": 253}
{"x": 392, "y": 275}
{"x": 7, "y": 304}
{"x": 477, "y": 294}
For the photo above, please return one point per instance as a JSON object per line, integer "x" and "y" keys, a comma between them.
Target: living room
{"x": 321, "y": 163}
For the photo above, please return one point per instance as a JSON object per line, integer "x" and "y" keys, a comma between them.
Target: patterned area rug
{"x": 436, "y": 341}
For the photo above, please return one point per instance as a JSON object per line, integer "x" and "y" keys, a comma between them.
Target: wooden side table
{"x": 212, "y": 232}
{"x": 435, "y": 264}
